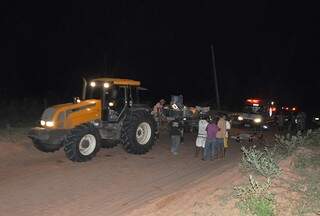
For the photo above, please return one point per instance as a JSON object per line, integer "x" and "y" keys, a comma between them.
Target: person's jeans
{"x": 175, "y": 142}
{"x": 220, "y": 146}
{"x": 209, "y": 148}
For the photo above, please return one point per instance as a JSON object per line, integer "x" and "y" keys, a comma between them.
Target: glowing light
{"x": 316, "y": 118}
{"x": 92, "y": 84}
{"x": 43, "y": 123}
{"x": 240, "y": 118}
{"x": 257, "y": 120}
{"x": 174, "y": 106}
{"x": 255, "y": 105}
{"x": 106, "y": 85}
{"x": 111, "y": 104}
{"x": 294, "y": 109}
{"x": 49, "y": 123}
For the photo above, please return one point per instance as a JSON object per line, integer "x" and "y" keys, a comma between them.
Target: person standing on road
{"x": 226, "y": 138}
{"x": 157, "y": 113}
{"x": 202, "y": 135}
{"x": 209, "y": 147}
{"x": 221, "y": 135}
{"x": 175, "y": 135}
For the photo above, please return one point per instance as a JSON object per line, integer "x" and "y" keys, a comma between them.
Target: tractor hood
{"x": 69, "y": 115}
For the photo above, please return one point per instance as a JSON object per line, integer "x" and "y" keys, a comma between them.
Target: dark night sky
{"x": 263, "y": 48}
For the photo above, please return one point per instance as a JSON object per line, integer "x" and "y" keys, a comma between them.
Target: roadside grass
{"x": 308, "y": 166}
{"x": 255, "y": 198}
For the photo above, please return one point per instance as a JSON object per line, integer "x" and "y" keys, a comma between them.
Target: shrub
{"x": 286, "y": 145}
{"x": 255, "y": 198}
{"x": 259, "y": 161}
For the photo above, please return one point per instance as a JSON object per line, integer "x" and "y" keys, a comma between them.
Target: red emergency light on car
{"x": 253, "y": 101}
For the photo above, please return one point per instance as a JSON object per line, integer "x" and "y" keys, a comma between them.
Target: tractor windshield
{"x": 93, "y": 93}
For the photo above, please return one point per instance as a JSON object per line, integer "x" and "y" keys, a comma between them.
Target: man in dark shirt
{"x": 175, "y": 135}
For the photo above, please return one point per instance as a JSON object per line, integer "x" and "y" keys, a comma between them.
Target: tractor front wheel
{"x": 83, "y": 143}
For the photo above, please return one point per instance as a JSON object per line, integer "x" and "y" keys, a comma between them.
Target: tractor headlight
{"x": 93, "y": 84}
{"x": 257, "y": 120}
{"x": 240, "y": 118}
{"x": 49, "y": 123}
{"x": 106, "y": 85}
{"x": 111, "y": 104}
{"x": 43, "y": 123}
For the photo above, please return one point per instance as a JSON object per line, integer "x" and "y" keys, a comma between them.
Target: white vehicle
{"x": 256, "y": 114}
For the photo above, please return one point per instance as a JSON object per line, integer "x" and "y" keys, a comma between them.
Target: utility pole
{"x": 215, "y": 77}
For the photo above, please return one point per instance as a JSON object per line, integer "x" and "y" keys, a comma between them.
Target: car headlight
{"x": 257, "y": 120}
{"x": 93, "y": 84}
{"x": 49, "y": 123}
{"x": 106, "y": 85}
{"x": 240, "y": 118}
{"x": 43, "y": 123}
{"x": 317, "y": 118}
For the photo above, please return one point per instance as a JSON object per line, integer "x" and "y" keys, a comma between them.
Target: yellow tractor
{"x": 108, "y": 113}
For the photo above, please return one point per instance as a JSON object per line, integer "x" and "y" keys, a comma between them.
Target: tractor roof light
{"x": 93, "y": 84}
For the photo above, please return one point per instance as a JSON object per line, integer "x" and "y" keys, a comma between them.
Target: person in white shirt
{"x": 202, "y": 135}
{"x": 228, "y": 127}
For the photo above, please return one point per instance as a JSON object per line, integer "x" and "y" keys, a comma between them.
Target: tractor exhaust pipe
{"x": 84, "y": 89}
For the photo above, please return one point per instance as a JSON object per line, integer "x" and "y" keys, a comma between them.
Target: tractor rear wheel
{"x": 83, "y": 143}
{"x": 138, "y": 132}
{"x": 45, "y": 147}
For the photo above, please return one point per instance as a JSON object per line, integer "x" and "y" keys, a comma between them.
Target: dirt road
{"x": 114, "y": 183}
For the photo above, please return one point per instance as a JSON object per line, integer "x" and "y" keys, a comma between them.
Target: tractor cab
{"x": 116, "y": 95}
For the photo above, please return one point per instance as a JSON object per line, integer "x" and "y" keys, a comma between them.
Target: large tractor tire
{"x": 108, "y": 143}
{"x": 44, "y": 147}
{"x": 83, "y": 143}
{"x": 138, "y": 132}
